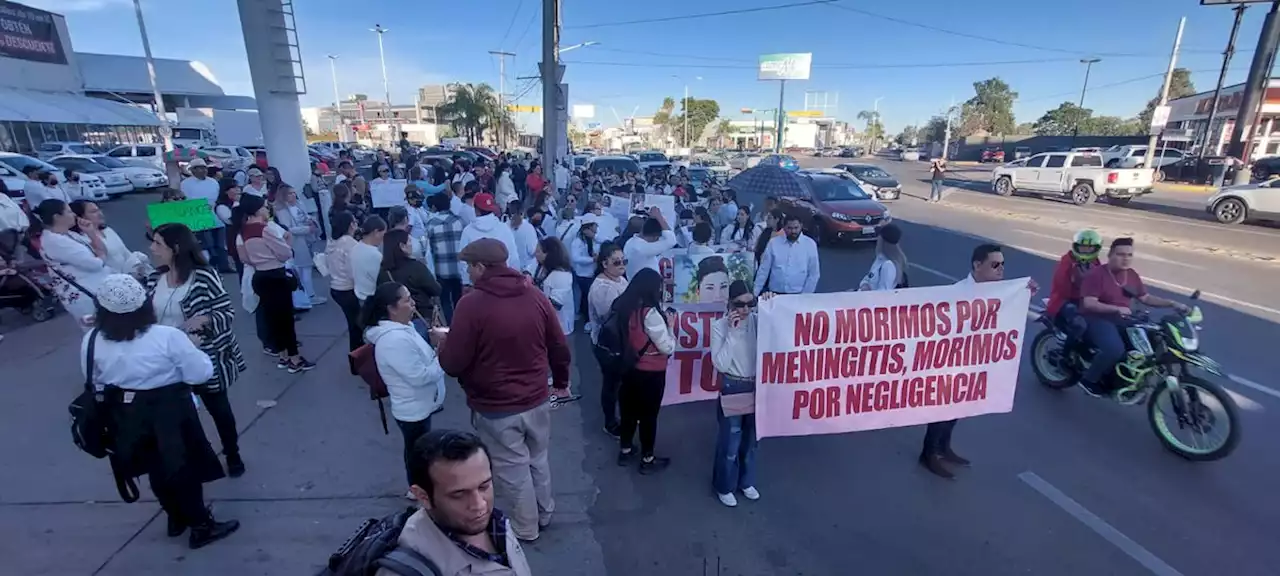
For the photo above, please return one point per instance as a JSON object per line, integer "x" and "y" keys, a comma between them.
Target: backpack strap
{"x": 406, "y": 561}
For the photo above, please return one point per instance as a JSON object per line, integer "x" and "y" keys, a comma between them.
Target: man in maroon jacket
{"x": 504, "y": 338}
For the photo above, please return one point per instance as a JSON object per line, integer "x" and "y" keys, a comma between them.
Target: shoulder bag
{"x": 92, "y": 429}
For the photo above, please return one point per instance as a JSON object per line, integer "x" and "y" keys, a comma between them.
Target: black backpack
{"x": 375, "y": 545}
{"x": 613, "y": 344}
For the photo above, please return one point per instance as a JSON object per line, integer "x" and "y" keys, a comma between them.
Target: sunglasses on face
{"x": 741, "y": 304}
{"x": 997, "y": 265}
{"x": 617, "y": 262}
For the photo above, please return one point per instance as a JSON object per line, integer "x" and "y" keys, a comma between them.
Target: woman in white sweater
{"x": 407, "y": 364}
{"x": 553, "y": 278}
{"x": 78, "y": 266}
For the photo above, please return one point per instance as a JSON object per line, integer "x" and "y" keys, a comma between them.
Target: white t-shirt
{"x": 167, "y": 301}
{"x": 205, "y": 189}
{"x": 883, "y": 275}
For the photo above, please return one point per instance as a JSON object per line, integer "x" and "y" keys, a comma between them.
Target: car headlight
{"x": 841, "y": 217}
{"x": 886, "y": 216}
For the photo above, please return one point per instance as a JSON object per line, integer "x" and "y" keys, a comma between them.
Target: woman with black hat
{"x": 146, "y": 372}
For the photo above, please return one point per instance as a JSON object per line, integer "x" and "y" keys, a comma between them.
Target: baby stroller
{"x": 27, "y": 289}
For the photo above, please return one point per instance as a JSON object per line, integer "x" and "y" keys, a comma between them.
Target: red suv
{"x": 993, "y": 154}
{"x": 836, "y": 208}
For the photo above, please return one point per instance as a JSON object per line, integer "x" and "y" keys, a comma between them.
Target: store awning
{"x": 67, "y": 108}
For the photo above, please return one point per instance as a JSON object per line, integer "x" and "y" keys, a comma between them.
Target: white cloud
{"x": 62, "y": 6}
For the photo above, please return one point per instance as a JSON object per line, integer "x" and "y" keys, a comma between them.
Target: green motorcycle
{"x": 1162, "y": 367}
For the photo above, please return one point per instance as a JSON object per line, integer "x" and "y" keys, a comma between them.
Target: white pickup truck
{"x": 1078, "y": 176}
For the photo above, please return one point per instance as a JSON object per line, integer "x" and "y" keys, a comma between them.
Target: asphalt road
{"x": 1063, "y": 485}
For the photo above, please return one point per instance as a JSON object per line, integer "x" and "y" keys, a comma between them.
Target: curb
{"x": 1193, "y": 188}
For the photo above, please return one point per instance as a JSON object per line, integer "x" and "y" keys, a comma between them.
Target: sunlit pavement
{"x": 1063, "y": 485}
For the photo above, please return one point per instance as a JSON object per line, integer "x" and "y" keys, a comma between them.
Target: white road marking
{"x": 1143, "y": 256}
{"x": 1108, "y": 532}
{"x": 942, "y": 275}
{"x": 1247, "y": 383}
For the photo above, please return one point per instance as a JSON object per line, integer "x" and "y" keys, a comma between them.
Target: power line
{"x": 527, "y": 26}
{"x": 1117, "y": 83}
{"x": 901, "y": 65}
{"x": 514, "y": 14}
{"x": 702, "y": 15}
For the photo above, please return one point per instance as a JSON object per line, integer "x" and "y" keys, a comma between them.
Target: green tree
{"x": 700, "y": 114}
{"x": 1180, "y": 85}
{"x": 990, "y": 109}
{"x": 910, "y": 135}
{"x": 1063, "y": 120}
{"x": 1025, "y": 128}
{"x": 1113, "y": 126}
{"x": 935, "y": 130}
{"x": 875, "y": 130}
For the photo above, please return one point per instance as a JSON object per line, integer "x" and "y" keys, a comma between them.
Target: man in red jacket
{"x": 504, "y": 338}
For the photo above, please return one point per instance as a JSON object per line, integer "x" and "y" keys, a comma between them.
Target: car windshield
{"x": 653, "y": 157}
{"x": 187, "y": 133}
{"x": 81, "y": 165}
{"x": 109, "y": 162}
{"x": 831, "y": 189}
{"x": 871, "y": 172}
{"x": 618, "y": 165}
{"x": 698, "y": 174}
{"x": 580, "y": 160}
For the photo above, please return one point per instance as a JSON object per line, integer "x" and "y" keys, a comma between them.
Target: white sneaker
{"x": 751, "y": 493}
{"x": 318, "y": 300}
{"x": 728, "y": 499}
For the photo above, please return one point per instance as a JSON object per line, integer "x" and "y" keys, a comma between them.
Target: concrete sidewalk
{"x": 318, "y": 465}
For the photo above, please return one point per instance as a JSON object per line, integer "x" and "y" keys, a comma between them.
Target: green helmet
{"x": 1086, "y": 245}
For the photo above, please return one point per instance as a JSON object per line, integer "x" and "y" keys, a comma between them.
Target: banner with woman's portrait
{"x": 705, "y": 278}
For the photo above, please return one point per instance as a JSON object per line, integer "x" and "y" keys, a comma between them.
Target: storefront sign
{"x": 29, "y": 34}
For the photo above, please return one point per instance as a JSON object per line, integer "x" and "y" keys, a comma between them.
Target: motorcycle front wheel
{"x": 1047, "y": 361}
{"x": 1214, "y": 434}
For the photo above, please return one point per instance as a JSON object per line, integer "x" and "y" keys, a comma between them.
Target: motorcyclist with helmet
{"x": 1064, "y": 292}
{"x": 1106, "y": 295}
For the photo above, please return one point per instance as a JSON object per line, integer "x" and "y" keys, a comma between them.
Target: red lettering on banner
{"x": 867, "y": 396}
{"x": 923, "y": 358}
{"x": 908, "y": 321}
{"x": 865, "y": 333}
{"x": 792, "y": 366}
{"x": 807, "y": 365}
{"x": 941, "y": 352}
{"x": 849, "y": 362}
{"x": 896, "y": 364}
{"x": 688, "y": 333}
{"x": 944, "y": 318}
{"x": 993, "y": 311}
{"x": 931, "y": 390}
{"x": 710, "y": 377}
{"x": 684, "y": 359}
{"x": 821, "y": 327}
{"x": 852, "y": 399}
{"x": 845, "y": 326}
{"x": 915, "y": 392}
{"x": 869, "y": 356}
{"x": 800, "y": 403}
{"x": 956, "y": 357}
{"x": 928, "y": 320}
{"x": 981, "y": 345}
{"x": 817, "y": 403}
{"x": 772, "y": 367}
{"x": 707, "y": 318}
{"x": 882, "y": 323}
{"x": 895, "y": 399}
{"x": 944, "y": 389}
{"x": 979, "y": 389}
{"x": 1010, "y": 348}
{"x": 833, "y": 401}
{"x": 804, "y": 330}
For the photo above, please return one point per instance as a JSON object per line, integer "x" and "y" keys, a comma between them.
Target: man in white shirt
{"x": 642, "y": 251}
{"x": 487, "y": 225}
{"x": 729, "y": 211}
{"x": 790, "y": 262}
{"x": 36, "y": 191}
{"x": 464, "y": 209}
{"x": 200, "y": 186}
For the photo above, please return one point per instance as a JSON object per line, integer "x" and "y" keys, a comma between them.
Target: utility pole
{"x": 1088, "y": 66}
{"x": 337, "y": 100}
{"x": 1255, "y": 88}
{"x": 502, "y": 93}
{"x": 382, "y": 57}
{"x": 946, "y": 137}
{"x": 550, "y": 87}
{"x": 1222, "y": 78}
{"x": 782, "y": 117}
{"x": 1149, "y": 161}
{"x": 166, "y": 131}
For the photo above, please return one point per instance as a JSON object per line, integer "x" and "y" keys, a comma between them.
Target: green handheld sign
{"x": 194, "y": 214}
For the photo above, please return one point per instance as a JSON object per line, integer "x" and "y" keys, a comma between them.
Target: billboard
{"x": 785, "y": 66}
{"x": 584, "y": 111}
{"x": 29, "y": 34}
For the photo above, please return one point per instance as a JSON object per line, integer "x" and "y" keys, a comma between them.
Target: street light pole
{"x": 166, "y": 131}
{"x": 382, "y": 58}
{"x": 1149, "y": 160}
{"x": 337, "y": 100}
{"x": 1088, "y": 66}
{"x": 502, "y": 90}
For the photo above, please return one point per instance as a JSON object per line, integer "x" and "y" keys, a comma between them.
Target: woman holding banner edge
{"x": 733, "y": 353}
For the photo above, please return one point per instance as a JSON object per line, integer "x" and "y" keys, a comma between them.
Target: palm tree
{"x": 723, "y": 128}
{"x": 662, "y": 118}
{"x": 874, "y": 129}
{"x": 472, "y": 110}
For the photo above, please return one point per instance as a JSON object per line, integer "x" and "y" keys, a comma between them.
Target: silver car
{"x": 1256, "y": 201}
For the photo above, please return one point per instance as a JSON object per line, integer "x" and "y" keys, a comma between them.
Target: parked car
{"x": 909, "y": 155}
{"x": 619, "y": 164}
{"x": 51, "y": 150}
{"x": 993, "y": 154}
{"x": 1255, "y": 201}
{"x": 784, "y": 161}
{"x": 837, "y": 208}
{"x": 1196, "y": 170}
{"x": 146, "y": 155}
{"x": 1265, "y": 168}
{"x": 714, "y": 164}
{"x": 744, "y": 160}
{"x": 1078, "y": 176}
{"x": 1135, "y": 157}
{"x": 874, "y": 179}
{"x": 114, "y": 182}
{"x": 13, "y": 181}
{"x": 234, "y": 158}
{"x": 652, "y": 159}
{"x": 1020, "y": 152}
{"x": 94, "y": 188}
{"x": 849, "y": 153}
{"x": 488, "y": 154}
{"x": 580, "y": 160}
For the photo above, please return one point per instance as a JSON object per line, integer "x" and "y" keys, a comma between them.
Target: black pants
{"x": 640, "y": 399}
{"x": 275, "y": 290}
{"x": 181, "y": 497}
{"x": 219, "y": 407}
{"x": 609, "y": 382}
{"x": 937, "y": 438}
{"x": 450, "y": 292}
{"x": 350, "y": 305}
{"x": 412, "y": 431}
{"x": 584, "y": 287}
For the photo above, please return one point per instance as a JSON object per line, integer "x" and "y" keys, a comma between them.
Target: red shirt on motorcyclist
{"x": 1071, "y": 270}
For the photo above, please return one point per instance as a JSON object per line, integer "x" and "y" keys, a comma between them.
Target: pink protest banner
{"x": 690, "y": 375}
{"x": 850, "y": 361}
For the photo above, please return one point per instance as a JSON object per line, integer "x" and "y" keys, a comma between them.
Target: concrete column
{"x": 271, "y": 69}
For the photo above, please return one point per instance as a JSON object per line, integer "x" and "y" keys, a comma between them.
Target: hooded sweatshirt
{"x": 504, "y": 336}
{"x": 408, "y": 365}
{"x": 489, "y": 226}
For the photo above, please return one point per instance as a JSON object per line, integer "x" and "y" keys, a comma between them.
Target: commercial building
{"x": 1188, "y": 125}
{"x": 50, "y": 93}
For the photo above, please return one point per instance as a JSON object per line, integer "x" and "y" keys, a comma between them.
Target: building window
{"x": 6, "y": 137}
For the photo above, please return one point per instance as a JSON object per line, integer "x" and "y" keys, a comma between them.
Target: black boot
{"x": 235, "y": 466}
{"x": 176, "y": 527}
{"x": 933, "y": 463}
{"x": 211, "y": 531}
{"x": 951, "y": 457}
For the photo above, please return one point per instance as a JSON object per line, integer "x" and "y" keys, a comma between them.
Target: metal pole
{"x": 1149, "y": 161}
{"x": 166, "y": 131}
{"x": 1255, "y": 87}
{"x": 1222, "y": 78}
{"x": 502, "y": 91}
{"x": 1088, "y": 66}
{"x": 550, "y": 86}
{"x": 782, "y": 117}
{"x": 946, "y": 136}
{"x": 382, "y": 57}
{"x": 337, "y": 100}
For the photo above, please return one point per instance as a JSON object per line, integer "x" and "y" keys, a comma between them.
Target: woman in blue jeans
{"x": 733, "y": 352}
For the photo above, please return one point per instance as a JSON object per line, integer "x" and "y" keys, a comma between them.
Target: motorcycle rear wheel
{"x": 1194, "y": 387}
{"x": 1046, "y": 361}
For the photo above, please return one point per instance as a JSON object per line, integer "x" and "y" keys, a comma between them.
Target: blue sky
{"x": 431, "y": 42}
